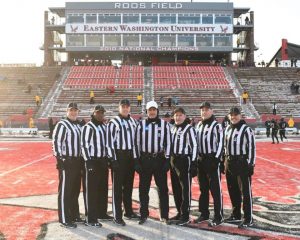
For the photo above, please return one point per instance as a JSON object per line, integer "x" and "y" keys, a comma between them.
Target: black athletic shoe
{"x": 201, "y": 219}
{"x": 69, "y": 225}
{"x": 105, "y": 218}
{"x": 131, "y": 216}
{"x": 232, "y": 219}
{"x": 215, "y": 222}
{"x": 177, "y": 217}
{"x": 93, "y": 224}
{"x": 246, "y": 224}
{"x": 183, "y": 222}
{"x": 142, "y": 220}
{"x": 119, "y": 222}
{"x": 79, "y": 220}
{"x": 164, "y": 220}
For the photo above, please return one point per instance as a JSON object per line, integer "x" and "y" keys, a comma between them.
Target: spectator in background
{"x": 263, "y": 64}
{"x": 92, "y": 97}
{"x": 175, "y": 101}
{"x": 161, "y": 101}
{"x": 291, "y": 122}
{"x": 282, "y": 127}
{"x": 268, "y": 126}
{"x": 293, "y": 88}
{"x": 275, "y": 127}
{"x": 51, "y": 127}
{"x": 238, "y": 42}
{"x": 29, "y": 88}
{"x": 31, "y": 123}
{"x": 295, "y": 62}
{"x": 297, "y": 89}
{"x": 169, "y": 101}
{"x": 274, "y": 108}
{"x": 292, "y": 61}
{"x": 139, "y": 99}
{"x": 37, "y": 100}
{"x": 276, "y": 62}
{"x": 245, "y": 97}
{"x": 247, "y": 21}
{"x": 1, "y": 124}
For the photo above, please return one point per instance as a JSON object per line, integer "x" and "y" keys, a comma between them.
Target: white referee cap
{"x": 151, "y": 104}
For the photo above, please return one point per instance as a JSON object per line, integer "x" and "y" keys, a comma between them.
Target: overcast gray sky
{"x": 21, "y": 25}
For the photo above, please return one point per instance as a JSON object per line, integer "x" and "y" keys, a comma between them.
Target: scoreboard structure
{"x": 148, "y": 32}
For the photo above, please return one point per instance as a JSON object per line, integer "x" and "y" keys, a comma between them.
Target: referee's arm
{"x": 86, "y": 136}
{"x": 167, "y": 140}
{"x": 220, "y": 139}
{"x": 193, "y": 143}
{"x": 137, "y": 140}
{"x": 59, "y": 136}
{"x": 251, "y": 146}
{"x": 110, "y": 140}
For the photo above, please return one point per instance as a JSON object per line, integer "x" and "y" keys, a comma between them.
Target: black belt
{"x": 121, "y": 150}
{"x": 180, "y": 155}
{"x": 72, "y": 158}
{"x": 236, "y": 157}
{"x": 207, "y": 155}
{"x": 152, "y": 155}
{"x": 98, "y": 158}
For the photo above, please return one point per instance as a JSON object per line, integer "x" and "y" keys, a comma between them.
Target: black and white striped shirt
{"x": 66, "y": 139}
{"x": 120, "y": 135}
{"x": 210, "y": 137}
{"x": 153, "y": 137}
{"x": 240, "y": 140}
{"x": 93, "y": 140}
{"x": 184, "y": 140}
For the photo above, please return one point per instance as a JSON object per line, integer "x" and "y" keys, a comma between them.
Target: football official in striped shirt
{"x": 153, "y": 144}
{"x": 93, "y": 145}
{"x": 183, "y": 165}
{"x": 66, "y": 149}
{"x": 240, "y": 151}
{"x": 121, "y": 152}
{"x": 210, "y": 148}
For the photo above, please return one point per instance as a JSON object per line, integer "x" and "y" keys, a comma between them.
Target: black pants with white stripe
{"x": 153, "y": 167}
{"x": 122, "y": 179}
{"x": 209, "y": 180}
{"x": 181, "y": 184}
{"x": 96, "y": 190}
{"x": 239, "y": 187}
{"x": 68, "y": 190}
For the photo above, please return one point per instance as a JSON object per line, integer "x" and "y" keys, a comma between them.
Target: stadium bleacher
{"x": 105, "y": 76}
{"x": 268, "y": 85}
{"x": 192, "y": 85}
{"x": 14, "y": 98}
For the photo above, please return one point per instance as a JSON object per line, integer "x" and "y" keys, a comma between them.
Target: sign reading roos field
{"x": 149, "y": 28}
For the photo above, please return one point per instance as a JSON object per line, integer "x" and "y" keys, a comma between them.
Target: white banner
{"x": 149, "y": 28}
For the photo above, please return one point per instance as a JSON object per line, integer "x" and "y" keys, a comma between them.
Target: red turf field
{"x": 28, "y": 168}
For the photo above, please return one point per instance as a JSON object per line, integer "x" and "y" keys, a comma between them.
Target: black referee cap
{"x": 205, "y": 104}
{"x": 234, "y": 111}
{"x": 73, "y": 105}
{"x": 124, "y": 102}
{"x": 99, "y": 108}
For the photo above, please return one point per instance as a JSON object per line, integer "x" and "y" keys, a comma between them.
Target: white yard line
{"x": 25, "y": 165}
{"x": 262, "y": 181}
{"x": 280, "y": 164}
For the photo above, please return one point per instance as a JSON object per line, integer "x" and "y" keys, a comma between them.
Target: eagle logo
{"x": 74, "y": 29}
{"x": 224, "y": 30}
